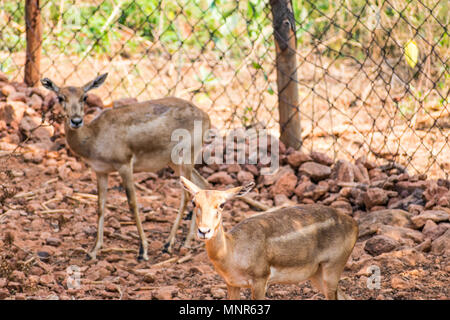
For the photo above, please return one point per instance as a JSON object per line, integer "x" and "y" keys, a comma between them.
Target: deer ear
{"x": 189, "y": 186}
{"x": 50, "y": 85}
{"x": 97, "y": 82}
{"x": 239, "y": 191}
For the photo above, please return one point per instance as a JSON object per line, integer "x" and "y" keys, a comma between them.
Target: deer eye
{"x": 222, "y": 205}
{"x": 61, "y": 99}
{"x": 84, "y": 98}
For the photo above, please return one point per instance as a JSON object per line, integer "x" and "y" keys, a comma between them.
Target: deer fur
{"x": 128, "y": 139}
{"x": 287, "y": 245}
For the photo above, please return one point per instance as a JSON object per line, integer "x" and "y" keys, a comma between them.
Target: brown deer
{"x": 128, "y": 139}
{"x": 287, "y": 245}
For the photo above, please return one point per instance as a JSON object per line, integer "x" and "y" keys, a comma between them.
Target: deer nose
{"x": 76, "y": 122}
{"x": 202, "y": 232}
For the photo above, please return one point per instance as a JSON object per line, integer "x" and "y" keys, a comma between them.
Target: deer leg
{"x": 190, "y": 236}
{"x": 171, "y": 240}
{"x": 316, "y": 280}
{"x": 234, "y": 293}
{"x": 102, "y": 186}
{"x": 259, "y": 289}
{"x": 186, "y": 172}
{"x": 191, "y": 233}
{"x": 126, "y": 173}
{"x": 331, "y": 275}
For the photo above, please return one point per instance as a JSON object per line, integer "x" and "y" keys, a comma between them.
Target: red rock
{"x": 410, "y": 186}
{"x": 444, "y": 200}
{"x": 398, "y": 283}
{"x": 285, "y": 184}
{"x": 281, "y": 147}
{"x": 380, "y": 244}
{"x": 304, "y": 186}
{"x": 361, "y": 173}
{"x": 377, "y": 174}
{"x": 218, "y": 293}
{"x": 308, "y": 201}
{"x": 36, "y": 224}
{"x": 155, "y": 245}
{"x": 404, "y": 236}
{"x": 405, "y": 203}
{"x": 53, "y": 241}
{"x": 164, "y": 293}
{"x": 375, "y": 197}
{"x": 234, "y": 168}
{"x": 270, "y": 179}
{"x": 435, "y": 215}
{"x": 35, "y": 102}
{"x": 433, "y": 231}
{"x": 428, "y": 228}
{"x": 12, "y": 111}
{"x": 93, "y": 101}
{"x": 17, "y": 276}
{"x": 363, "y": 161}
{"x": 343, "y": 171}
{"x": 8, "y": 90}
{"x": 245, "y": 177}
{"x": 50, "y": 100}
{"x": 17, "y": 96}
{"x": 415, "y": 208}
{"x": 315, "y": 170}
{"x": 296, "y": 158}
{"x": 434, "y": 192}
{"x": 368, "y": 222}
{"x": 321, "y": 158}
{"x": 4, "y": 293}
{"x": 442, "y": 244}
{"x": 343, "y": 206}
{"x": 113, "y": 223}
{"x": 47, "y": 280}
{"x": 220, "y": 177}
{"x": 280, "y": 199}
{"x": 252, "y": 169}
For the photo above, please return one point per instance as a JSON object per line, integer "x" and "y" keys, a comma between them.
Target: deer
{"x": 128, "y": 139}
{"x": 284, "y": 245}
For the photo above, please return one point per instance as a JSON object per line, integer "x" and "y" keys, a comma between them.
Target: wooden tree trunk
{"x": 286, "y": 62}
{"x": 34, "y": 42}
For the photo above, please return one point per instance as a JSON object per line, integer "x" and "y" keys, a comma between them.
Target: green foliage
{"x": 228, "y": 29}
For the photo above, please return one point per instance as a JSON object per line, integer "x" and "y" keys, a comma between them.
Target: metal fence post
{"x": 286, "y": 63}
{"x": 34, "y": 42}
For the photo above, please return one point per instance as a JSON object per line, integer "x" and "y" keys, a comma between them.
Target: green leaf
{"x": 411, "y": 53}
{"x": 256, "y": 65}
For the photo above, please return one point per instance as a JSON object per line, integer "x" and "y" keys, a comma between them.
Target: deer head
{"x": 209, "y": 204}
{"x": 72, "y": 99}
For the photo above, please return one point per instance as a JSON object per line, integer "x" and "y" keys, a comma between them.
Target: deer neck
{"x": 78, "y": 139}
{"x": 217, "y": 247}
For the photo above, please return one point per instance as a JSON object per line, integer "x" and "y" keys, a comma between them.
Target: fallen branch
{"x": 254, "y": 203}
{"x": 164, "y": 262}
{"x": 53, "y": 211}
{"x": 106, "y": 250}
{"x": 185, "y": 258}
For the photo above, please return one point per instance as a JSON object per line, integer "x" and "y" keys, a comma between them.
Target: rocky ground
{"x": 48, "y": 219}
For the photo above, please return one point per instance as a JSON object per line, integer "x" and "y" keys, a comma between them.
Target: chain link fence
{"x": 372, "y": 76}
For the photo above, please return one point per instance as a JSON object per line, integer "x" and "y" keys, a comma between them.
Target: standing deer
{"x": 127, "y": 139}
{"x": 288, "y": 245}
